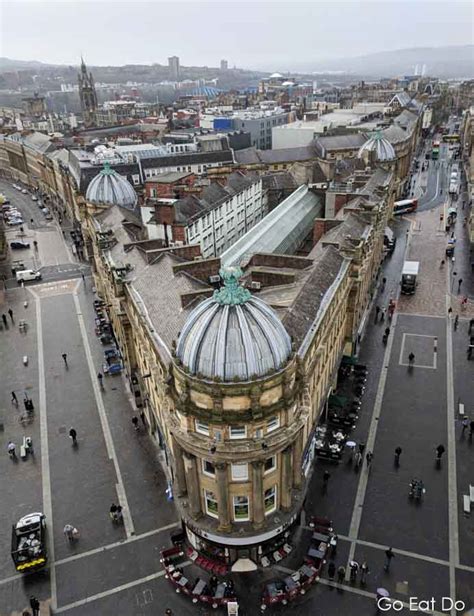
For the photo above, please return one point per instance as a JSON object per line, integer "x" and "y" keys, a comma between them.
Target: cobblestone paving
{"x": 427, "y": 245}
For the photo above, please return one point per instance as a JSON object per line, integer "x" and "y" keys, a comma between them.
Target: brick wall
{"x": 322, "y": 226}
{"x": 276, "y": 260}
{"x": 201, "y": 269}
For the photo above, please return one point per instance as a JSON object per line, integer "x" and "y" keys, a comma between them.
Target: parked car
{"x": 24, "y": 191}
{"x": 26, "y": 275}
{"x": 13, "y": 222}
{"x": 19, "y": 245}
{"x": 34, "y": 198}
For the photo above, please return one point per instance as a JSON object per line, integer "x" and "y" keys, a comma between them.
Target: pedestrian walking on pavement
{"x": 83, "y": 277}
{"x": 459, "y": 285}
{"x": 326, "y": 477}
{"x": 70, "y": 532}
{"x": 143, "y": 418}
{"x": 369, "y": 456}
{"x": 100, "y": 377}
{"x": 4, "y": 319}
{"x": 471, "y": 429}
{"x": 354, "y": 567}
{"x": 384, "y": 282}
{"x": 471, "y": 325}
{"x": 388, "y": 559}
{"x": 398, "y": 452}
{"x": 357, "y": 460}
{"x": 73, "y": 435}
{"x": 341, "y": 574}
{"x": 35, "y": 605}
{"x": 14, "y": 399}
{"x": 331, "y": 570}
{"x": 10, "y": 312}
{"x": 64, "y": 356}
{"x": 11, "y": 449}
{"x": 377, "y": 312}
{"x": 465, "y": 423}
{"x": 113, "y": 512}
{"x": 361, "y": 448}
{"x": 382, "y": 314}
{"x": 135, "y": 423}
{"x": 364, "y": 570}
{"x": 456, "y": 322}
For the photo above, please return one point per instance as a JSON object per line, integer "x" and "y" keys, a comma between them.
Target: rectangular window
{"x": 240, "y": 472}
{"x": 208, "y": 468}
{"x": 238, "y": 432}
{"x": 270, "y": 464}
{"x": 273, "y": 423}
{"x": 270, "y": 500}
{"x": 202, "y": 427}
{"x": 211, "y": 503}
{"x": 136, "y": 179}
{"x": 241, "y": 508}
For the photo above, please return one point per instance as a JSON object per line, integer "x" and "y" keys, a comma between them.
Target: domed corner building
{"x": 110, "y": 188}
{"x": 236, "y": 431}
{"x": 377, "y": 149}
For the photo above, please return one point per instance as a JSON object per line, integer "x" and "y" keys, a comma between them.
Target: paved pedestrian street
{"x": 115, "y": 570}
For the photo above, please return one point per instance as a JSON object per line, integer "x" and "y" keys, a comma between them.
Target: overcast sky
{"x": 266, "y": 35}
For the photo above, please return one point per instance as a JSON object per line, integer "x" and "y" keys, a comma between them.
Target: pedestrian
{"x": 341, "y": 574}
{"x": 10, "y": 312}
{"x": 459, "y": 285}
{"x": 439, "y": 451}
{"x": 143, "y": 418}
{"x": 387, "y": 331}
{"x": 118, "y": 513}
{"x": 135, "y": 422}
{"x": 471, "y": 325}
{"x": 471, "y": 428}
{"x": 326, "y": 476}
{"x": 369, "y": 456}
{"x": 73, "y": 435}
{"x": 83, "y": 277}
{"x": 377, "y": 311}
{"x": 388, "y": 558}
{"x": 450, "y": 311}
{"x": 331, "y": 570}
{"x": 398, "y": 452}
{"x": 382, "y": 315}
{"x": 364, "y": 570}
{"x": 113, "y": 512}
{"x": 70, "y": 532}
{"x": 100, "y": 377}
{"x": 361, "y": 448}
{"x": 35, "y": 605}
{"x": 357, "y": 460}
{"x": 4, "y": 319}
{"x": 11, "y": 449}
{"x": 64, "y": 356}
{"x": 384, "y": 282}
{"x": 168, "y": 612}
{"x": 456, "y": 322}
{"x": 354, "y": 567}
{"x": 14, "y": 399}
{"x": 465, "y": 423}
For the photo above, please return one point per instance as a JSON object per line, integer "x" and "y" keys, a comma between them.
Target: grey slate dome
{"x": 379, "y": 147}
{"x": 233, "y": 335}
{"x": 110, "y": 188}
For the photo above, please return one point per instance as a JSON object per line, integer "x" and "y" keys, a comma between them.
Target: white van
{"x": 26, "y": 275}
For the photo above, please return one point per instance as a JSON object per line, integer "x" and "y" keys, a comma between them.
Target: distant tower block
{"x": 87, "y": 94}
{"x": 173, "y": 65}
{"x": 224, "y": 65}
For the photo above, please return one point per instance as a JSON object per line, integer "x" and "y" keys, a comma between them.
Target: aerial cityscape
{"x": 237, "y": 308}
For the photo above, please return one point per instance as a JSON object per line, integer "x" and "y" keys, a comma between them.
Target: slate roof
{"x": 169, "y": 178}
{"x": 351, "y": 227}
{"x": 339, "y": 142}
{"x": 301, "y": 315}
{"x": 252, "y": 156}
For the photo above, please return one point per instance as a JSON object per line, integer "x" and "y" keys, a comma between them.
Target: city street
{"x": 115, "y": 570}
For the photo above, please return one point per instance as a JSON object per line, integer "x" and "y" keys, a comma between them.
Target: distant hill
{"x": 7, "y": 64}
{"x": 444, "y": 62}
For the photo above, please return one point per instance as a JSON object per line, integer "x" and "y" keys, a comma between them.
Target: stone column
{"x": 286, "y": 478}
{"x": 297, "y": 459}
{"x": 258, "y": 509}
{"x": 180, "y": 473}
{"x": 192, "y": 484}
{"x": 223, "y": 496}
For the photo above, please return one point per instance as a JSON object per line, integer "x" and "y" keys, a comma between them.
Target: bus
{"x": 451, "y": 138}
{"x": 435, "y": 150}
{"x": 406, "y": 206}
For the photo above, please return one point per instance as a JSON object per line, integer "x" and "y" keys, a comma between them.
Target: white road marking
{"x": 364, "y": 477}
{"x": 452, "y": 483}
{"x": 117, "y": 544}
{"x": 45, "y": 468}
{"x": 113, "y": 591}
{"x": 127, "y": 516}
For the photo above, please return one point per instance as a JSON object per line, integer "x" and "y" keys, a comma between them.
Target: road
{"x": 115, "y": 570}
